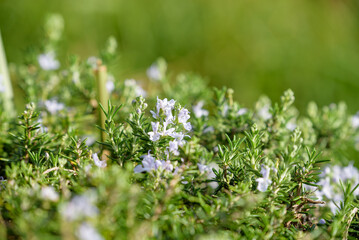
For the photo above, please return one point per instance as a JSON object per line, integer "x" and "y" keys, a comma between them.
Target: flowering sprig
{"x": 170, "y": 121}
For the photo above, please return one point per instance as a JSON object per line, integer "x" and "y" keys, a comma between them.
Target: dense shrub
{"x": 172, "y": 159}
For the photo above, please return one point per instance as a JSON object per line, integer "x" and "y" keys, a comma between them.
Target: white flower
{"x": 169, "y": 116}
{"x": 88, "y": 232}
{"x": 165, "y": 105}
{"x": 355, "y": 120}
{"x": 173, "y": 147}
{"x": 334, "y": 203}
{"x": 199, "y": 111}
{"x": 264, "y": 113}
{"x": 76, "y": 77}
{"x": 330, "y": 179}
{"x": 138, "y": 90}
{"x": 183, "y": 115}
{"x": 154, "y": 135}
{"x": 98, "y": 162}
{"x": 90, "y": 140}
{"x": 130, "y": 83}
{"x": 264, "y": 181}
{"x": 187, "y": 126}
{"x": 209, "y": 129}
{"x": 53, "y": 106}
{"x": 326, "y": 189}
{"x": 309, "y": 188}
{"x": 208, "y": 170}
{"x": 92, "y": 61}
{"x": 150, "y": 163}
{"x": 110, "y": 85}
{"x": 165, "y": 165}
{"x": 47, "y": 61}
{"x": 154, "y": 73}
{"x": 49, "y": 193}
{"x": 350, "y": 172}
{"x": 167, "y": 132}
{"x": 79, "y": 207}
{"x": 154, "y": 115}
{"x": 291, "y": 126}
{"x": 225, "y": 110}
{"x": 178, "y": 136}
{"x": 42, "y": 128}
{"x": 337, "y": 174}
{"x": 242, "y": 111}
{"x": 203, "y": 168}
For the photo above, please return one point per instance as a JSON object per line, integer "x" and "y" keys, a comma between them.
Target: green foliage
{"x": 197, "y": 166}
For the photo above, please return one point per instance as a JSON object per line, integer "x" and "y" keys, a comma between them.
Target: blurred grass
{"x": 256, "y": 47}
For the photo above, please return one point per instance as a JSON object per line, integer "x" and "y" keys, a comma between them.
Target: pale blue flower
{"x": 93, "y": 62}
{"x": 183, "y": 115}
{"x": 264, "y": 113}
{"x": 164, "y": 105}
{"x": 98, "y": 162}
{"x": 138, "y": 90}
{"x": 110, "y": 84}
{"x": 242, "y": 111}
{"x": 154, "y": 135}
{"x": 321, "y": 221}
{"x": 49, "y": 193}
{"x": 264, "y": 182}
{"x": 173, "y": 147}
{"x": 149, "y": 163}
{"x": 355, "y": 120}
{"x": 80, "y": 206}
{"x": 209, "y": 129}
{"x": 154, "y": 73}
{"x": 53, "y": 106}
{"x": 198, "y": 110}
{"x": 291, "y": 126}
{"x": 208, "y": 171}
{"x": 47, "y": 61}
{"x": 88, "y": 232}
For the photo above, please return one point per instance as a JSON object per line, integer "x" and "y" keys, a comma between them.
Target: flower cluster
{"x": 170, "y": 122}
{"x": 165, "y": 119}
{"x": 331, "y": 177}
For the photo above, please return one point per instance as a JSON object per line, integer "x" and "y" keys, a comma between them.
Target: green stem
{"x": 102, "y": 95}
{"x": 7, "y": 95}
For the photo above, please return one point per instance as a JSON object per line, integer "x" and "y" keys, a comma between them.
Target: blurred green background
{"x": 254, "y": 46}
